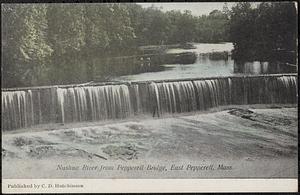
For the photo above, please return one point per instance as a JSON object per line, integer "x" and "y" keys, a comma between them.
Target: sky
{"x": 197, "y": 9}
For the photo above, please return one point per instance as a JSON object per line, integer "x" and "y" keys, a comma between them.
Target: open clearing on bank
{"x": 256, "y": 141}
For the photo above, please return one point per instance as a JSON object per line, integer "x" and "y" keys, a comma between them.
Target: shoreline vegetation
{"x": 74, "y": 43}
{"x": 50, "y": 44}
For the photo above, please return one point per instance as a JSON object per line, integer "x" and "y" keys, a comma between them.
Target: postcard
{"x": 149, "y": 97}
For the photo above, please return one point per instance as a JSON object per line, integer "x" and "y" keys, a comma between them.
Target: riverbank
{"x": 247, "y": 141}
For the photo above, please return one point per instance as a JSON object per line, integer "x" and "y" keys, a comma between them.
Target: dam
{"x": 26, "y": 107}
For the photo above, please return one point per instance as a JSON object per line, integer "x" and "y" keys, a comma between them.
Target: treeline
{"x": 152, "y": 26}
{"x": 266, "y": 32}
{"x": 45, "y": 44}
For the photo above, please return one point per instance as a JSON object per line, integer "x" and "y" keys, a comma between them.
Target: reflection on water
{"x": 203, "y": 67}
{"x": 257, "y": 67}
{"x": 206, "y": 67}
{"x": 205, "y": 48}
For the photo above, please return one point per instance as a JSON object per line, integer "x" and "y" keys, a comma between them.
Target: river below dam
{"x": 258, "y": 141}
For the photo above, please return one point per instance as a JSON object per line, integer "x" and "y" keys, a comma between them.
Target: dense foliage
{"x": 45, "y": 44}
{"x": 267, "y": 32}
{"x": 62, "y": 43}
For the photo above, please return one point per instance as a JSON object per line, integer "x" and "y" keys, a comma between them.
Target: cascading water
{"x": 16, "y": 109}
{"x": 93, "y": 103}
{"x": 25, "y": 108}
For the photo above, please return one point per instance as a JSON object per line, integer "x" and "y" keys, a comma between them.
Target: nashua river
{"x": 203, "y": 67}
{"x": 246, "y": 124}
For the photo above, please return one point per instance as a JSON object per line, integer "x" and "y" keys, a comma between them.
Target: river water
{"x": 203, "y": 67}
{"x": 207, "y": 67}
{"x": 27, "y": 107}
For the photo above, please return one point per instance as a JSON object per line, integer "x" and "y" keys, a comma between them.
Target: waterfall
{"x": 93, "y": 103}
{"x": 27, "y": 107}
{"x": 60, "y": 98}
{"x": 14, "y": 109}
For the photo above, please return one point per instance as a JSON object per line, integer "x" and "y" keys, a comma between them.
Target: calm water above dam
{"x": 208, "y": 67}
{"x": 27, "y": 107}
{"x": 203, "y": 67}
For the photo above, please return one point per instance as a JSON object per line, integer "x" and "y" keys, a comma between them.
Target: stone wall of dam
{"x": 25, "y": 107}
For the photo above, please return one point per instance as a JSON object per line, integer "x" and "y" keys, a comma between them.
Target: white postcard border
{"x": 147, "y": 185}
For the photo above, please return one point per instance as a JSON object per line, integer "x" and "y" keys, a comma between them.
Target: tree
{"x": 66, "y": 35}
{"x": 108, "y": 32}
{"x": 242, "y": 25}
{"x": 71, "y": 43}
{"x": 186, "y": 27}
{"x": 24, "y": 43}
{"x": 267, "y": 32}
{"x": 155, "y": 29}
